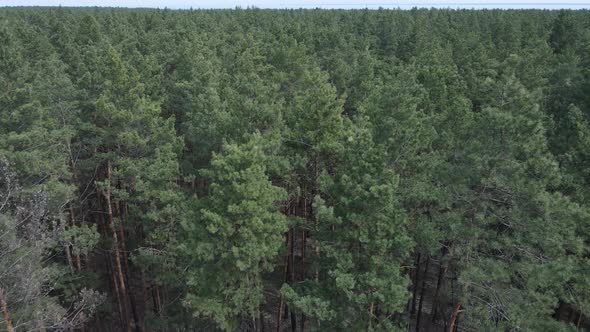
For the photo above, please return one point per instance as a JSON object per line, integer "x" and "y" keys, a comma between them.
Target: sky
{"x": 349, "y": 4}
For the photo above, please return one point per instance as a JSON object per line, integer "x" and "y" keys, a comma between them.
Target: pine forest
{"x": 294, "y": 170}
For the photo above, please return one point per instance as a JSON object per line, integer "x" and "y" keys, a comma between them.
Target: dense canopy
{"x": 294, "y": 170}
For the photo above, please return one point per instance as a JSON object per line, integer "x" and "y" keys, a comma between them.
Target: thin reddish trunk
{"x": 371, "y": 310}
{"x": 78, "y": 262}
{"x": 280, "y": 314}
{"x": 291, "y": 256}
{"x": 303, "y": 242}
{"x": 69, "y": 257}
{"x": 118, "y": 265}
{"x": 71, "y": 208}
{"x": 109, "y": 265}
{"x": 5, "y": 314}
{"x": 158, "y": 299}
{"x": 117, "y": 292}
{"x": 312, "y": 212}
{"x": 303, "y": 268}
{"x": 76, "y": 256}
{"x": 121, "y": 232}
{"x": 285, "y": 274}
{"x": 144, "y": 282}
{"x": 317, "y": 272}
{"x": 454, "y": 315}
{"x": 66, "y": 245}
{"x": 292, "y": 274}
{"x": 155, "y": 300}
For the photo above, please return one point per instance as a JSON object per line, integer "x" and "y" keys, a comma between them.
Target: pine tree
{"x": 362, "y": 238}
{"x": 235, "y": 235}
{"x": 516, "y": 228}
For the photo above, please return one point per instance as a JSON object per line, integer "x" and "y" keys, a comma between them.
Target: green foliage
{"x": 300, "y": 169}
{"x": 83, "y": 239}
{"x": 362, "y": 239}
{"x": 236, "y": 233}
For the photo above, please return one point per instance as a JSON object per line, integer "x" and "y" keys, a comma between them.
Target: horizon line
{"x": 356, "y": 6}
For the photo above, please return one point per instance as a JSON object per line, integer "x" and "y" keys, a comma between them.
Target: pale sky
{"x": 404, "y": 4}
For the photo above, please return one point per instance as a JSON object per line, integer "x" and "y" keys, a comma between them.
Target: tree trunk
{"x": 293, "y": 321}
{"x": 285, "y": 276}
{"x": 76, "y": 256}
{"x": 303, "y": 318}
{"x": 78, "y": 262}
{"x": 371, "y": 309}
{"x": 454, "y": 316}
{"x": 69, "y": 256}
{"x": 302, "y": 272}
{"x": 304, "y": 235}
{"x": 303, "y": 244}
{"x": 66, "y": 245}
{"x": 5, "y": 314}
{"x": 158, "y": 299}
{"x": 422, "y": 291}
{"x": 292, "y": 273}
{"x": 441, "y": 274}
{"x": 117, "y": 254}
{"x": 145, "y": 298}
{"x": 121, "y": 232}
{"x": 71, "y": 208}
{"x": 313, "y": 213}
{"x": 291, "y": 255}
{"x": 109, "y": 265}
{"x": 117, "y": 292}
{"x": 416, "y": 280}
{"x": 261, "y": 320}
{"x": 155, "y": 299}
{"x": 280, "y": 314}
